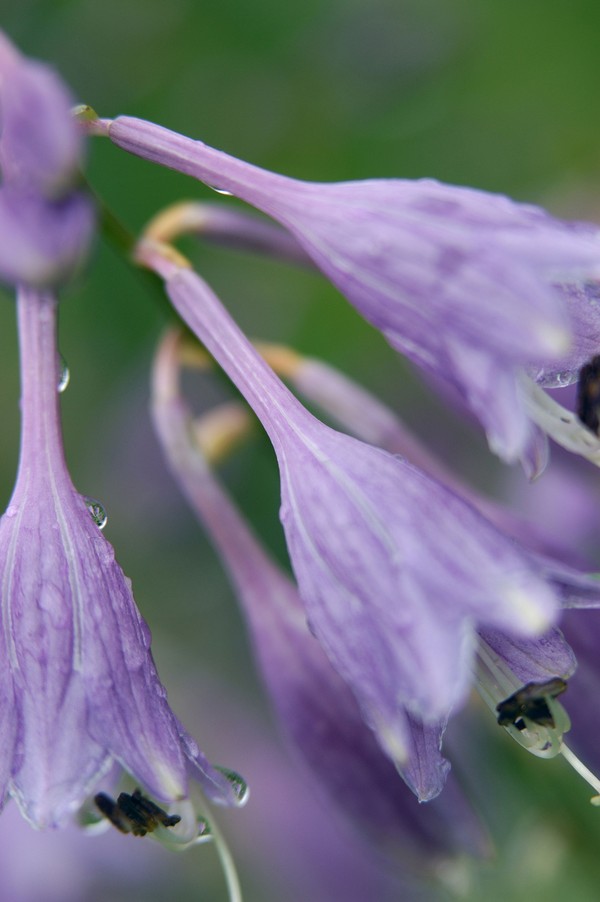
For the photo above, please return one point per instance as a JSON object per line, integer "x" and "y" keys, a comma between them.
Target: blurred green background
{"x": 501, "y": 96}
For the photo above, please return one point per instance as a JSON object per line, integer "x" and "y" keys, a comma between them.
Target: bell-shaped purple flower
{"x": 316, "y": 709}
{"x": 78, "y": 685}
{"x": 461, "y": 281}
{"x": 41, "y": 144}
{"x": 505, "y": 665}
{"x": 43, "y": 243}
{"x": 395, "y": 570}
{"x": 46, "y": 223}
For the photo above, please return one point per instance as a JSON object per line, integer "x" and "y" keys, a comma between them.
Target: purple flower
{"x": 41, "y": 145}
{"x": 46, "y": 224}
{"x": 43, "y": 243}
{"x": 463, "y": 282}
{"x": 505, "y": 665}
{"x": 316, "y": 709}
{"x": 395, "y": 570}
{"x": 78, "y": 685}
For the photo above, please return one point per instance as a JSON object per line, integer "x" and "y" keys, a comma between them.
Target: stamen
{"x": 559, "y": 423}
{"x": 583, "y": 771}
{"x": 177, "y": 829}
{"x": 191, "y": 830}
{"x": 227, "y": 863}
{"x": 531, "y": 714}
{"x": 134, "y": 813}
{"x": 531, "y": 702}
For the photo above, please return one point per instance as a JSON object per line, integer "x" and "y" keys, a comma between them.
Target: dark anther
{"x": 531, "y": 702}
{"x": 134, "y": 813}
{"x": 588, "y": 395}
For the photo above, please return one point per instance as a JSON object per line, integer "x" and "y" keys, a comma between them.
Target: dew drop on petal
{"x": 554, "y": 380}
{"x": 238, "y": 784}
{"x": 97, "y": 512}
{"x": 563, "y": 380}
{"x": 64, "y": 375}
{"x": 146, "y": 636}
{"x": 220, "y": 191}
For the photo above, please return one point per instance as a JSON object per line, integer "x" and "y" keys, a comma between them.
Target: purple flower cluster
{"x": 396, "y": 571}
{"x": 409, "y": 589}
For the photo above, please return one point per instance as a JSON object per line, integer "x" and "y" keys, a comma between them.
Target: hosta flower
{"x": 42, "y": 243}
{"x": 316, "y": 709}
{"x": 46, "y": 222}
{"x": 41, "y": 146}
{"x": 506, "y": 667}
{"x": 395, "y": 570}
{"x": 465, "y": 283}
{"x": 78, "y": 685}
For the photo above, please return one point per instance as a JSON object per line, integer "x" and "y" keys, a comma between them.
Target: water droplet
{"x": 97, "y": 512}
{"x": 64, "y": 375}
{"x": 238, "y": 784}
{"x": 146, "y": 635}
{"x": 11, "y": 511}
{"x": 205, "y": 833}
{"x": 562, "y": 380}
{"x": 220, "y": 191}
{"x": 555, "y": 380}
